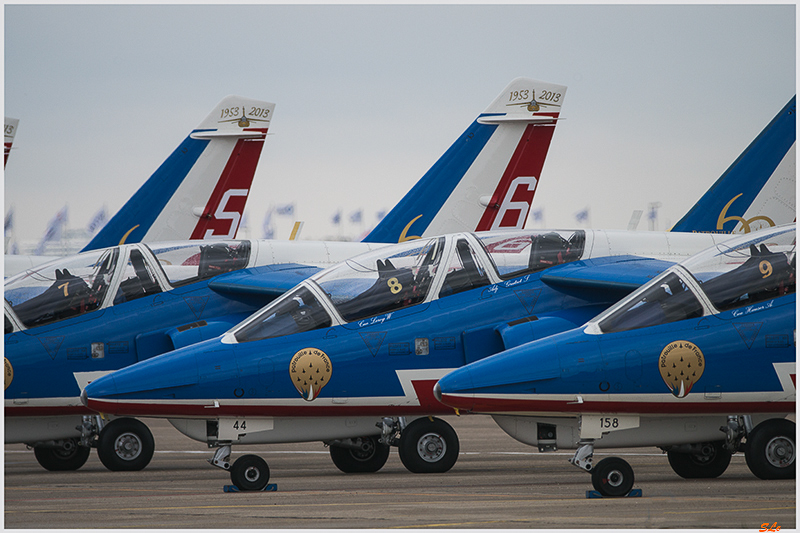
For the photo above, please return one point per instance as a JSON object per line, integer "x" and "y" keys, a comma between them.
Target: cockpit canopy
{"x": 79, "y": 284}
{"x": 736, "y": 273}
{"x": 67, "y": 288}
{"x": 396, "y": 277}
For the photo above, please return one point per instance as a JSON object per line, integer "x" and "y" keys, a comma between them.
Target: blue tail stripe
{"x": 747, "y": 176}
{"x": 428, "y": 196}
{"x": 146, "y": 205}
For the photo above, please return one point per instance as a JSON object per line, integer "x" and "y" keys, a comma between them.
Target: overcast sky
{"x": 660, "y": 100}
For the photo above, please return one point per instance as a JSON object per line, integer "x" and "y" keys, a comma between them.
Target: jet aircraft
{"x": 77, "y": 318}
{"x": 358, "y": 447}
{"x": 352, "y": 351}
{"x": 694, "y": 362}
{"x": 198, "y": 192}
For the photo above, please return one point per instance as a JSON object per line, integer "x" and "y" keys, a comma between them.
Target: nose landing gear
{"x": 249, "y": 472}
{"x": 612, "y": 477}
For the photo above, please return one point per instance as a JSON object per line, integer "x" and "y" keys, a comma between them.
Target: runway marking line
{"x": 276, "y": 505}
{"x": 462, "y": 524}
{"x": 729, "y": 510}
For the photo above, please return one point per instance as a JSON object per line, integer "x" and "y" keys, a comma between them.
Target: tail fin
{"x": 757, "y": 190}
{"x": 487, "y": 178}
{"x": 200, "y": 191}
{"x": 10, "y": 131}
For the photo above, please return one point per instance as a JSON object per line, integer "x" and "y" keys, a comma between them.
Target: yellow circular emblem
{"x": 310, "y": 370}
{"x": 9, "y": 372}
{"x": 681, "y": 364}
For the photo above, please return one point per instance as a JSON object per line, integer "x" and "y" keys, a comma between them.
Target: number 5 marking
{"x": 221, "y": 214}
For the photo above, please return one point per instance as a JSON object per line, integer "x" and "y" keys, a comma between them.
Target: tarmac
{"x": 496, "y": 483}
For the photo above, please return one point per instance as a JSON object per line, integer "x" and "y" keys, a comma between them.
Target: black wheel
{"x": 70, "y": 456}
{"x": 250, "y": 472}
{"x": 770, "y": 449}
{"x": 711, "y": 462}
{"x": 369, "y": 458}
{"x": 125, "y": 444}
{"x": 612, "y": 477}
{"x": 428, "y": 446}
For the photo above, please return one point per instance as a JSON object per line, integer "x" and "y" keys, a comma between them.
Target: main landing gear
{"x": 769, "y": 449}
{"x": 425, "y": 445}
{"x": 428, "y": 445}
{"x": 61, "y": 455}
{"x": 699, "y": 461}
{"x": 124, "y": 444}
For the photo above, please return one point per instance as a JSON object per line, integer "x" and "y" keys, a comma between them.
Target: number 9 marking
{"x": 394, "y": 285}
{"x": 765, "y": 268}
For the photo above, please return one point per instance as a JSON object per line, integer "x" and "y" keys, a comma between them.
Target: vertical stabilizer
{"x": 10, "y": 131}
{"x": 200, "y": 191}
{"x": 488, "y": 177}
{"x": 758, "y": 189}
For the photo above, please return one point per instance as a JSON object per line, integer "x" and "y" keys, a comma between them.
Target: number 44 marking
{"x": 234, "y": 428}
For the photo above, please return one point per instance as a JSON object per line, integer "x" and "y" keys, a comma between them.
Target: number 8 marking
{"x": 394, "y": 285}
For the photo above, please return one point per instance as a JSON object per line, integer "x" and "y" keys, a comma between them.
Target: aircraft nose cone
{"x": 437, "y": 392}
{"x": 455, "y": 389}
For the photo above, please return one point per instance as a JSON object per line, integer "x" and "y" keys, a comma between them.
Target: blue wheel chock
{"x": 272, "y": 487}
{"x": 634, "y": 493}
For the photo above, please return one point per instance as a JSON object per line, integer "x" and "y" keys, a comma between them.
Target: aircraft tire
{"x": 370, "y": 458}
{"x": 70, "y": 457}
{"x": 612, "y": 477}
{"x": 428, "y": 446}
{"x": 125, "y": 444}
{"x": 701, "y": 466}
{"x": 770, "y": 449}
{"x": 250, "y": 472}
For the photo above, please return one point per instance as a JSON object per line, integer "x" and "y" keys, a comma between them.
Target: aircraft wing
{"x": 269, "y": 280}
{"x": 621, "y": 274}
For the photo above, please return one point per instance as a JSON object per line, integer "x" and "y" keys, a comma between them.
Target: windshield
{"x": 747, "y": 270}
{"x": 738, "y": 272}
{"x": 298, "y": 312}
{"x": 515, "y": 254}
{"x": 186, "y": 263}
{"x": 382, "y": 281}
{"x": 62, "y": 289}
{"x": 665, "y": 301}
